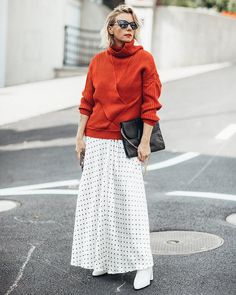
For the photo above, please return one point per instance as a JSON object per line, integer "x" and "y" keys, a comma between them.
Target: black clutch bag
{"x": 132, "y": 131}
{"x": 82, "y": 154}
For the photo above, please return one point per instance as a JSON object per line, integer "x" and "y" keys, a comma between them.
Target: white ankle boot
{"x": 143, "y": 277}
{"x": 98, "y": 272}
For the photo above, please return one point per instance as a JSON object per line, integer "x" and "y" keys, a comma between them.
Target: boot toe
{"x": 143, "y": 278}
{"x": 98, "y": 272}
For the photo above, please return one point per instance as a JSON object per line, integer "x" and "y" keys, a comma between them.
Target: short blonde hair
{"x": 106, "y": 37}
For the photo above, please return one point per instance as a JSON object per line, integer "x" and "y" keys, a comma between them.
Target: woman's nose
{"x": 129, "y": 27}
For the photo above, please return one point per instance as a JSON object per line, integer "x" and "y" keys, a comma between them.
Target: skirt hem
{"x": 115, "y": 271}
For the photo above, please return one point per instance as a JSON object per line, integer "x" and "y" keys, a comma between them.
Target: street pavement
{"x": 39, "y": 169}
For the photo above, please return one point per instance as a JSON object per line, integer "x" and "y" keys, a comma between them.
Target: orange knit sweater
{"x": 122, "y": 83}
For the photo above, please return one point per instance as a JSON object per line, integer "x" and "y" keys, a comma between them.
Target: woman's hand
{"x": 80, "y": 146}
{"x": 144, "y": 151}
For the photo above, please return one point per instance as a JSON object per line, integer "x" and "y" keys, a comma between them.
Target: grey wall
{"x": 32, "y": 36}
{"x": 185, "y": 37}
{"x": 93, "y": 15}
{"x": 35, "y": 35}
{"x": 35, "y": 39}
{"x": 3, "y": 40}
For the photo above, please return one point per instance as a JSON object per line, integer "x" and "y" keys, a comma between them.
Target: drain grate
{"x": 6, "y": 205}
{"x": 183, "y": 242}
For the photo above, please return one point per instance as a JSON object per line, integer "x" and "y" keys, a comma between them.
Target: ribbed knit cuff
{"x": 84, "y": 111}
{"x": 149, "y": 122}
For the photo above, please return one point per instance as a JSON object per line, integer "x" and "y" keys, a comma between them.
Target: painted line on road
{"x": 35, "y": 189}
{"x": 208, "y": 195}
{"x": 71, "y": 182}
{"x": 39, "y": 144}
{"x": 173, "y": 161}
{"x": 39, "y": 192}
{"x": 227, "y": 132}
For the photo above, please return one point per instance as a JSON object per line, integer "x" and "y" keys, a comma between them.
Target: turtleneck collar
{"x": 128, "y": 49}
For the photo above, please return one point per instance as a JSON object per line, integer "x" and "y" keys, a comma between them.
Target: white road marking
{"x": 72, "y": 182}
{"x": 227, "y": 132}
{"x": 20, "y": 273}
{"x": 39, "y": 144}
{"x": 209, "y": 195}
{"x": 173, "y": 161}
{"x": 43, "y": 188}
{"x": 39, "y": 192}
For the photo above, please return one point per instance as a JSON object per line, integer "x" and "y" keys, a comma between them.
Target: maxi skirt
{"x": 111, "y": 228}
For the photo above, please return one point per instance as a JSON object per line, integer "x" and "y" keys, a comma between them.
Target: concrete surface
{"x": 40, "y": 170}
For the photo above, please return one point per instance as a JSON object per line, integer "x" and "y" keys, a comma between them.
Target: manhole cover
{"x": 8, "y": 205}
{"x": 183, "y": 242}
{"x": 231, "y": 218}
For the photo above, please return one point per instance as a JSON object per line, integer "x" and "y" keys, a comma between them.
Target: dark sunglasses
{"x": 124, "y": 24}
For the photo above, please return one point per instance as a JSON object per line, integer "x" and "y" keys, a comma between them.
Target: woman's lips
{"x": 128, "y": 35}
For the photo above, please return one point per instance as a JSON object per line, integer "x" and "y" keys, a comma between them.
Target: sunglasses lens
{"x": 124, "y": 24}
{"x": 134, "y": 26}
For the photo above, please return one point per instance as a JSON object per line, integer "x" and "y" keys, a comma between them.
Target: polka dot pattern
{"x": 111, "y": 229}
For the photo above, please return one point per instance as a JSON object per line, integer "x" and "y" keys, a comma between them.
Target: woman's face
{"x": 122, "y": 35}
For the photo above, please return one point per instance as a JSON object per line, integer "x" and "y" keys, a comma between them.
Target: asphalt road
{"x": 40, "y": 170}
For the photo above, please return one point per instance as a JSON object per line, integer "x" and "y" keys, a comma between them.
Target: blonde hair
{"x": 106, "y": 38}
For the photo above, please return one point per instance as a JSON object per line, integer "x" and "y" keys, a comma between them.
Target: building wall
{"x": 35, "y": 39}
{"x": 32, "y": 36}
{"x": 185, "y": 37}
{"x": 3, "y": 40}
{"x": 35, "y": 35}
{"x": 93, "y": 15}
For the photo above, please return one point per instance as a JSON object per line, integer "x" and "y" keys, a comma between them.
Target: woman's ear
{"x": 110, "y": 30}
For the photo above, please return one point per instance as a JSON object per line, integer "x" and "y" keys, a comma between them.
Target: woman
{"x": 111, "y": 232}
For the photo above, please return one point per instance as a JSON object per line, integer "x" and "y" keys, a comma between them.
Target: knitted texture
{"x": 122, "y": 83}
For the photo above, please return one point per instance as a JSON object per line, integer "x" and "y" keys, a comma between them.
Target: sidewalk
{"x": 33, "y": 99}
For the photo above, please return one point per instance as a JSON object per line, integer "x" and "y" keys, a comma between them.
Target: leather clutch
{"x": 82, "y": 155}
{"x": 132, "y": 131}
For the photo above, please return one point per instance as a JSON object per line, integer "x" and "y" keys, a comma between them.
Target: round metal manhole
{"x": 231, "y": 218}
{"x": 183, "y": 242}
{"x": 6, "y": 205}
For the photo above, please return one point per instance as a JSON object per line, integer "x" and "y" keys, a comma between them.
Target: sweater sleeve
{"x": 151, "y": 93}
{"x": 87, "y": 102}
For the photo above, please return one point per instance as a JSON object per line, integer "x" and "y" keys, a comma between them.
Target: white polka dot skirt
{"x": 111, "y": 229}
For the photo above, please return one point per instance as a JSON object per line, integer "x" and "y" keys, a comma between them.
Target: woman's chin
{"x": 127, "y": 39}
